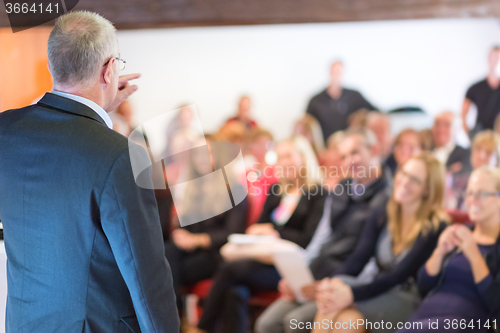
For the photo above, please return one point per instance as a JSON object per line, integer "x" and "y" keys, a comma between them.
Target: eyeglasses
{"x": 412, "y": 178}
{"x": 481, "y": 194}
{"x": 122, "y": 62}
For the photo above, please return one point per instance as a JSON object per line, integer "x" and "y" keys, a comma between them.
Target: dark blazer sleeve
{"x": 408, "y": 267}
{"x": 234, "y": 222}
{"x": 367, "y": 245}
{"x": 130, "y": 221}
{"x": 310, "y": 221}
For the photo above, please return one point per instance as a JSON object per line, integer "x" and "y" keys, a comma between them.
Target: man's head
{"x": 244, "y": 107}
{"x": 442, "y": 129}
{"x": 358, "y": 152}
{"x": 82, "y": 49}
{"x": 380, "y": 124}
{"x": 336, "y": 71}
{"x": 493, "y": 58}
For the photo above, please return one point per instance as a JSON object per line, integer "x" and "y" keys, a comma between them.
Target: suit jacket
{"x": 83, "y": 241}
{"x": 461, "y": 155}
{"x": 348, "y": 216}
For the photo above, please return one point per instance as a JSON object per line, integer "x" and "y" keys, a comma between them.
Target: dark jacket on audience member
{"x": 401, "y": 272}
{"x": 348, "y": 216}
{"x": 302, "y": 223}
{"x": 459, "y": 155}
{"x": 490, "y": 296}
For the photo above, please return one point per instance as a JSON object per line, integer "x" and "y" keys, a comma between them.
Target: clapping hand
{"x": 333, "y": 296}
{"x": 309, "y": 290}
{"x": 466, "y": 242}
{"x": 447, "y": 241}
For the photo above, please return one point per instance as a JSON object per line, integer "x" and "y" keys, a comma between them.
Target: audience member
{"x": 484, "y": 152}
{"x": 462, "y": 278}
{"x": 407, "y": 144}
{"x": 358, "y": 119}
{"x": 309, "y": 128}
{"x": 331, "y": 161}
{"x": 400, "y": 238}
{"x": 351, "y": 203}
{"x": 233, "y": 132}
{"x": 485, "y": 95}
{"x": 332, "y": 106}
{"x": 193, "y": 251}
{"x": 181, "y": 133}
{"x": 260, "y": 174}
{"x": 380, "y": 124}
{"x": 454, "y": 157}
{"x": 291, "y": 212}
{"x": 243, "y": 115}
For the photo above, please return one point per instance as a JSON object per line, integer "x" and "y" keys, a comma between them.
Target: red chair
{"x": 458, "y": 216}
{"x": 201, "y": 289}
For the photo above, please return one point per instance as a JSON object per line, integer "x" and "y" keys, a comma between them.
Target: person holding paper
{"x": 344, "y": 215}
{"x": 400, "y": 239}
{"x": 291, "y": 212}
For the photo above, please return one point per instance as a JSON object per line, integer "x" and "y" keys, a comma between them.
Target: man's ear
{"x": 107, "y": 71}
{"x": 48, "y": 67}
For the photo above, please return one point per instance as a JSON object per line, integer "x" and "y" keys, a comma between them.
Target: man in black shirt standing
{"x": 332, "y": 106}
{"x": 485, "y": 95}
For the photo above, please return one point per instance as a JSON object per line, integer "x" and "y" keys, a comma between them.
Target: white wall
{"x": 424, "y": 62}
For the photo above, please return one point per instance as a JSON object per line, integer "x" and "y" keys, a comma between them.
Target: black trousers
{"x": 189, "y": 268}
{"x": 226, "y": 307}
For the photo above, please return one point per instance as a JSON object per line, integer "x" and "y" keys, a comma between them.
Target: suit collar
{"x": 64, "y": 104}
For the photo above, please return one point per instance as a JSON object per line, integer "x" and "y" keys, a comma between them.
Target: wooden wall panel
{"x": 133, "y": 14}
{"x": 23, "y": 67}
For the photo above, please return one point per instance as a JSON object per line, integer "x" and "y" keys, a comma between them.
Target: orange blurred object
{"x": 24, "y": 76}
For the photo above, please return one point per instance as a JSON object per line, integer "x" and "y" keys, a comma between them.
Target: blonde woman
{"x": 291, "y": 212}
{"x": 400, "y": 239}
{"x": 462, "y": 276}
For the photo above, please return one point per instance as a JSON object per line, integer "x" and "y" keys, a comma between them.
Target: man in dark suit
{"x": 83, "y": 241}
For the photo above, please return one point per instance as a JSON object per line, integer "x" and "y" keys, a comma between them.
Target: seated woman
{"x": 291, "y": 212}
{"x": 462, "y": 277}
{"x": 406, "y": 144}
{"x": 206, "y": 216}
{"x": 400, "y": 240}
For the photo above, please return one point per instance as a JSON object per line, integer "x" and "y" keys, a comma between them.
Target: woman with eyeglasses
{"x": 400, "y": 240}
{"x": 462, "y": 278}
